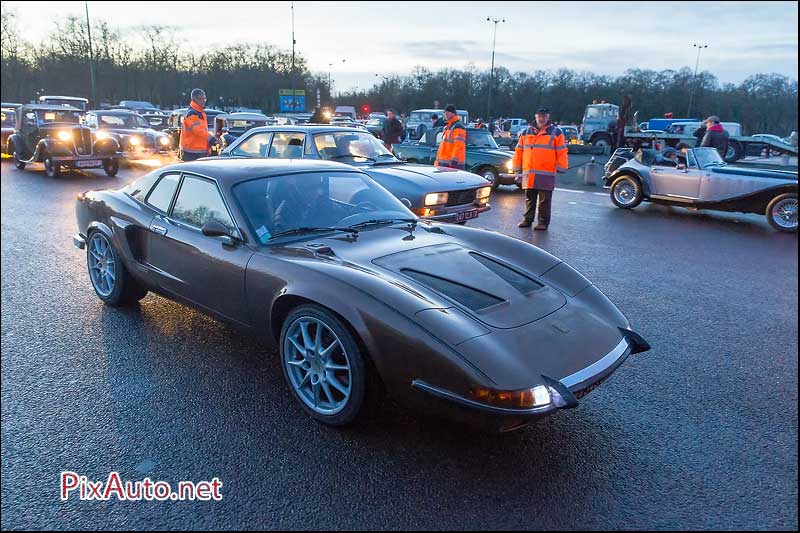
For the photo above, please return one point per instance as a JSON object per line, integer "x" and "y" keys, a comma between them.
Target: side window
{"x": 287, "y": 146}
{"x": 691, "y": 160}
{"x": 161, "y": 195}
{"x": 198, "y": 202}
{"x": 254, "y": 146}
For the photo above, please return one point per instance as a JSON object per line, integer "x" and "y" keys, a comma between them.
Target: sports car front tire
{"x": 323, "y": 365}
{"x": 626, "y": 192}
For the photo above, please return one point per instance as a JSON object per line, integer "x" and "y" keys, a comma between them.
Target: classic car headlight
{"x": 164, "y": 141}
{"x": 436, "y": 198}
{"x": 134, "y": 141}
{"x": 101, "y": 135}
{"x": 510, "y": 165}
{"x": 521, "y": 399}
{"x": 64, "y": 135}
{"x": 483, "y": 192}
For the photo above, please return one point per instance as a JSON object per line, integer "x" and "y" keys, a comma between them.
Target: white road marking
{"x": 570, "y": 190}
{"x": 600, "y": 193}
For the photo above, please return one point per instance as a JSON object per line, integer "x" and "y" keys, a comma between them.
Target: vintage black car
{"x": 8, "y": 116}
{"x": 130, "y": 130}
{"x": 54, "y": 135}
{"x": 356, "y": 293}
{"x": 157, "y": 121}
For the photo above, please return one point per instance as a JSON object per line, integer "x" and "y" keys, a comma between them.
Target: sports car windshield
{"x": 122, "y": 121}
{"x": 314, "y": 201}
{"x": 351, "y": 146}
{"x": 707, "y": 157}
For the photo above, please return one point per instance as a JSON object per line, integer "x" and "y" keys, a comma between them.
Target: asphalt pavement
{"x": 698, "y": 433}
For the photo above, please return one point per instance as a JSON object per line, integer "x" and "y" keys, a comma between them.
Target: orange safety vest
{"x": 453, "y": 149}
{"x": 540, "y": 154}
{"x": 194, "y": 131}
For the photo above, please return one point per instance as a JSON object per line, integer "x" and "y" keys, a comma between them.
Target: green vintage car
{"x": 484, "y": 157}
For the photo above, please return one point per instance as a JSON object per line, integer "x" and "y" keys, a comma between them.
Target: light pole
{"x": 694, "y": 77}
{"x": 491, "y": 74}
{"x": 330, "y": 87}
{"x": 291, "y": 75}
{"x": 91, "y": 55}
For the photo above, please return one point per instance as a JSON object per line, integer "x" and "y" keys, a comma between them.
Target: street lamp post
{"x": 330, "y": 87}
{"x": 291, "y": 75}
{"x": 491, "y": 73}
{"x": 694, "y": 77}
{"x": 91, "y": 56}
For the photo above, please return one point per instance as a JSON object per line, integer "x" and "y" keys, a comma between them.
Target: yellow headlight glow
{"x": 64, "y": 135}
{"x": 101, "y": 135}
{"x": 484, "y": 192}
{"x": 164, "y": 141}
{"x": 510, "y": 165}
{"x": 436, "y": 198}
{"x": 135, "y": 141}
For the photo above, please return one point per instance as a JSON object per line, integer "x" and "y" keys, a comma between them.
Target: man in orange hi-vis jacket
{"x": 195, "y": 138}
{"x": 541, "y": 153}
{"x": 453, "y": 149}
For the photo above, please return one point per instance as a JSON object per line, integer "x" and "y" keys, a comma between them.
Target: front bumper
{"x": 564, "y": 393}
{"x": 506, "y": 179}
{"x": 455, "y": 213}
{"x": 84, "y": 161}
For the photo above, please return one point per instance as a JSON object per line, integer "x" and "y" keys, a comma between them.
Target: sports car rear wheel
{"x": 323, "y": 365}
{"x": 782, "y": 212}
{"x": 110, "y": 279}
{"x": 626, "y": 192}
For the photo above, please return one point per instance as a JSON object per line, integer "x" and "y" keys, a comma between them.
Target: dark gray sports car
{"x": 358, "y": 294}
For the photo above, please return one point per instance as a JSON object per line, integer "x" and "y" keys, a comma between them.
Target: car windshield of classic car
{"x": 49, "y": 116}
{"x": 480, "y": 139}
{"x": 8, "y": 117}
{"x": 705, "y": 157}
{"x": 351, "y": 146}
{"x": 299, "y": 204}
{"x": 129, "y": 121}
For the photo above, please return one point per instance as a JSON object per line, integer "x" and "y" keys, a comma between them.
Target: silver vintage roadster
{"x": 700, "y": 179}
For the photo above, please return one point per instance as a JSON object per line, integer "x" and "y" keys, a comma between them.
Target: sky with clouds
{"x": 382, "y": 38}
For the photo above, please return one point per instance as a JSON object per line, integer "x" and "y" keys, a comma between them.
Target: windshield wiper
{"x": 311, "y": 229}
{"x": 352, "y": 156}
{"x": 384, "y": 221}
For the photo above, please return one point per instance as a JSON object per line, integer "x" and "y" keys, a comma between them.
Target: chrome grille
{"x": 461, "y": 197}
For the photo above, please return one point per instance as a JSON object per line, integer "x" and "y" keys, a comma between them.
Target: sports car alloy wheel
{"x": 625, "y": 192}
{"x": 317, "y": 365}
{"x": 784, "y": 213}
{"x": 102, "y": 265}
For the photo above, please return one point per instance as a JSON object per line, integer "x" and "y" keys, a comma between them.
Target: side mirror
{"x": 215, "y": 228}
{"x": 406, "y": 202}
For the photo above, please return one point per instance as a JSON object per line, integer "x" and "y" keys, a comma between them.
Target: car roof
{"x": 306, "y": 128}
{"x": 9, "y": 104}
{"x": 439, "y": 111}
{"x": 50, "y": 107}
{"x": 242, "y": 115}
{"x": 229, "y": 171}
{"x": 113, "y": 111}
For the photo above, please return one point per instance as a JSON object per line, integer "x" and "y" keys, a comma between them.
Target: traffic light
{"x": 365, "y": 109}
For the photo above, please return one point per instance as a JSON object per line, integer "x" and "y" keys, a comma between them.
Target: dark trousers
{"x": 538, "y": 201}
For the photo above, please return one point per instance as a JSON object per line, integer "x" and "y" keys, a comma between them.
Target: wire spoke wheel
{"x": 102, "y": 264}
{"x": 625, "y": 192}
{"x": 317, "y": 365}
{"x": 784, "y": 213}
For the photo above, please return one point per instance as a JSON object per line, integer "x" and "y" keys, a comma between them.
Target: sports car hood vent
{"x": 497, "y": 294}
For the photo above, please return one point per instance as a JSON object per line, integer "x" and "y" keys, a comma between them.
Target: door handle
{"x": 161, "y": 230}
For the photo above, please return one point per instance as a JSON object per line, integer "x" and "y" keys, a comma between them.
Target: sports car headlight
{"x": 522, "y": 399}
{"x": 483, "y": 192}
{"x": 64, "y": 135}
{"x": 134, "y": 141}
{"x": 101, "y": 135}
{"x": 436, "y": 198}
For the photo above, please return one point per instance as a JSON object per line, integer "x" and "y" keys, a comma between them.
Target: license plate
{"x": 87, "y": 164}
{"x": 466, "y": 215}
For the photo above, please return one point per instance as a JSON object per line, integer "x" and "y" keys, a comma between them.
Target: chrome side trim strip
{"x": 609, "y": 361}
